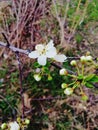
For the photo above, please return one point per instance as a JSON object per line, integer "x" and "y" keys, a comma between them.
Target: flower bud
{"x": 27, "y": 121}
{"x": 68, "y": 91}
{"x": 63, "y": 72}
{"x": 18, "y": 119}
{"x": 3, "y": 126}
{"x": 37, "y": 77}
{"x": 49, "y": 77}
{"x": 88, "y": 53}
{"x": 38, "y": 70}
{"x": 89, "y": 58}
{"x": 73, "y": 63}
{"x": 84, "y": 97}
{"x": 64, "y": 85}
{"x": 83, "y": 59}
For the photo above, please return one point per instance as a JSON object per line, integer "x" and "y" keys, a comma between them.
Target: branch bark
{"x": 14, "y": 49}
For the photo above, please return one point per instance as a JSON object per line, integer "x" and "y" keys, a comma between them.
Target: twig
{"x": 5, "y": 37}
{"x": 14, "y": 49}
{"x": 47, "y": 98}
{"x": 26, "y": 52}
{"x": 76, "y": 58}
{"x": 60, "y": 67}
{"x": 21, "y": 86}
{"x": 20, "y": 71}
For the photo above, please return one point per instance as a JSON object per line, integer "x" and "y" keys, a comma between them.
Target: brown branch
{"x": 14, "y": 49}
{"x": 20, "y": 82}
{"x": 60, "y": 67}
{"x": 48, "y": 98}
{"x": 26, "y": 52}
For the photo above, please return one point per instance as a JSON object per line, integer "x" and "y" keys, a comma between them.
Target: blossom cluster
{"x": 42, "y": 52}
{"x": 16, "y": 125}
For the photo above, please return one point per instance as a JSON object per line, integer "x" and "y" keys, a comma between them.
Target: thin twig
{"x": 14, "y": 49}
{"x": 21, "y": 86}
{"x": 47, "y": 98}
{"x": 5, "y": 37}
{"x": 20, "y": 70}
{"x": 60, "y": 67}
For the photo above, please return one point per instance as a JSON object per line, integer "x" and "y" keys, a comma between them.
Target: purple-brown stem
{"x": 20, "y": 70}
{"x": 60, "y": 67}
{"x": 20, "y": 82}
{"x": 48, "y": 98}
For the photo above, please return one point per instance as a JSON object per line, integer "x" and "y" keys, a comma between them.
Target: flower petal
{"x": 51, "y": 52}
{"x": 42, "y": 60}
{"x": 39, "y": 47}
{"x": 50, "y": 45}
{"x": 33, "y": 54}
{"x": 60, "y": 58}
{"x": 14, "y": 126}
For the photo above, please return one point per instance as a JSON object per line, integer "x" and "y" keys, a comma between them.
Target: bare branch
{"x": 14, "y": 49}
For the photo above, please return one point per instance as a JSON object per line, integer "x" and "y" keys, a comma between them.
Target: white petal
{"x": 50, "y": 45}
{"x": 33, "y": 54}
{"x": 39, "y": 47}
{"x": 60, "y": 58}
{"x": 51, "y": 52}
{"x": 42, "y": 60}
{"x": 14, "y": 126}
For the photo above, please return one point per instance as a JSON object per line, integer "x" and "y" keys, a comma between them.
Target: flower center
{"x": 43, "y": 51}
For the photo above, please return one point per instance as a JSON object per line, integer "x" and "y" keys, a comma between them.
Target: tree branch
{"x": 14, "y": 49}
{"x": 21, "y": 85}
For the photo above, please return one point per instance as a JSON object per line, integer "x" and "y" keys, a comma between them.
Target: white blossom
{"x": 60, "y": 57}
{"x": 42, "y": 52}
{"x": 14, "y": 126}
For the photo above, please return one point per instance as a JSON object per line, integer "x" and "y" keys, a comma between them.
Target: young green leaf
{"x": 89, "y": 85}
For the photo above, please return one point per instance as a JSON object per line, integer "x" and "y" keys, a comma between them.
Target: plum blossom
{"x": 14, "y": 126}
{"x": 42, "y": 52}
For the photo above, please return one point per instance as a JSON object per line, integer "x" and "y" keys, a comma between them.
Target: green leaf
{"x": 80, "y": 77}
{"x": 89, "y": 77}
{"x": 89, "y": 85}
{"x": 36, "y": 65}
{"x": 94, "y": 79}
